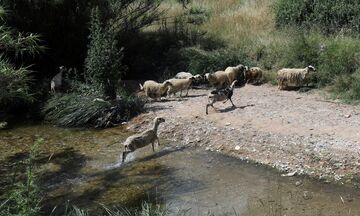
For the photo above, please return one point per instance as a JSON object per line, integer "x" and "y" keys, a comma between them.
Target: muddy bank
{"x": 297, "y": 133}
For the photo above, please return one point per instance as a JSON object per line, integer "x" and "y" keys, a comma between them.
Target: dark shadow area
{"x": 156, "y": 108}
{"x": 228, "y": 109}
{"x": 195, "y": 96}
{"x": 243, "y": 107}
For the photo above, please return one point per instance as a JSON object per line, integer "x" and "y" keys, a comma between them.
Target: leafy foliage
{"x": 24, "y": 198}
{"x": 103, "y": 63}
{"x": 14, "y": 81}
{"x": 201, "y": 61}
{"x": 328, "y": 15}
{"x": 14, "y": 85}
{"x": 77, "y": 110}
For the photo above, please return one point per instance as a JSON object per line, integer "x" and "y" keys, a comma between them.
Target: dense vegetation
{"x": 330, "y": 16}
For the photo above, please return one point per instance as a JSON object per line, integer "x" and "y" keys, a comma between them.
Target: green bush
{"x": 103, "y": 62}
{"x": 77, "y": 110}
{"x": 14, "y": 85}
{"x": 24, "y": 198}
{"x": 197, "y": 15}
{"x": 304, "y": 50}
{"x": 15, "y": 81}
{"x": 201, "y": 61}
{"x": 347, "y": 87}
{"x": 341, "y": 56}
{"x": 328, "y": 15}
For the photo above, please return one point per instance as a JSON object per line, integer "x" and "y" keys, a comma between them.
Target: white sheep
{"x": 219, "y": 79}
{"x": 180, "y": 85}
{"x": 143, "y": 139}
{"x": 233, "y": 72}
{"x": 293, "y": 77}
{"x": 253, "y": 75}
{"x": 183, "y": 75}
{"x": 154, "y": 89}
{"x": 221, "y": 95}
{"x": 56, "y": 81}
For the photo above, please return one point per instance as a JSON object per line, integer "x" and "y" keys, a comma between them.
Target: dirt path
{"x": 288, "y": 130}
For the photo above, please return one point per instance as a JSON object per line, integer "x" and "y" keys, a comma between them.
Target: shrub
{"x": 201, "y": 61}
{"x": 304, "y": 50}
{"x": 24, "y": 198}
{"x": 328, "y": 15}
{"x": 103, "y": 63}
{"x": 197, "y": 15}
{"x": 341, "y": 56}
{"x": 15, "y": 81}
{"x": 347, "y": 87}
{"x": 270, "y": 77}
{"x": 77, "y": 110}
{"x": 14, "y": 85}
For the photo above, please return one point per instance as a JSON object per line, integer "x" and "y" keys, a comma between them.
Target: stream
{"x": 82, "y": 167}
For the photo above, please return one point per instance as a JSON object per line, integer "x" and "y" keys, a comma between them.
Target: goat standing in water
{"x": 143, "y": 139}
{"x": 221, "y": 95}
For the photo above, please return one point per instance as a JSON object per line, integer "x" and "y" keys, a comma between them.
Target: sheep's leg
{"x": 157, "y": 138}
{"x": 187, "y": 92}
{"x": 232, "y": 102}
{"x": 124, "y": 154}
{"x": 181, "y": 93}
{"x": 152, "y": 144}
{"x": 207, "y": 106}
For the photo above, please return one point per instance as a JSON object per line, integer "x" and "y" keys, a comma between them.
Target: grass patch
{"x": 249, "y": 30}
{"x": 77, "y": 110}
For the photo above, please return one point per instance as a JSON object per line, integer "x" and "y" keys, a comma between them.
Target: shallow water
{"x": 82, "y": 168}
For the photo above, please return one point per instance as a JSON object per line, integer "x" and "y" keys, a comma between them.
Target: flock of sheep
{"x": 223, "y": 81}
{"x": 286, "y": 77}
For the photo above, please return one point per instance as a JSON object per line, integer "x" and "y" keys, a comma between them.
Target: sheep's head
{"x": 240, "y": 67}
{"x": 192, "y": 78}
{"x": 168, "y": 84}
{"x": 311, "y": 68}
{"x": 62, "y": 69}
{"x": 206, "y": 76}
{"x": 198, "y": 77}
{"x": 159, "y": 120}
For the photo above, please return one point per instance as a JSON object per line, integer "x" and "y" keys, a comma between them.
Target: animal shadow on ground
{"x": 154, "y": 108}
{"x": 229, "y": 109}
{"x": 194, "y": 96}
